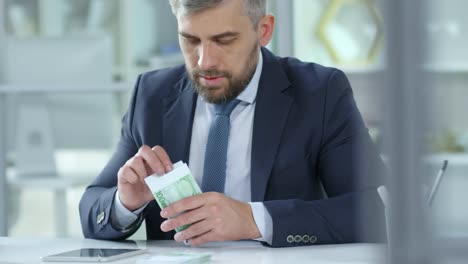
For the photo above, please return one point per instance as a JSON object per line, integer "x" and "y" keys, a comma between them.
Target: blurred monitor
{"x": 73, "y": 119}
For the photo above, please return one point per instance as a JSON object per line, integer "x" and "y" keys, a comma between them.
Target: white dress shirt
{"x": 237, "y": 185}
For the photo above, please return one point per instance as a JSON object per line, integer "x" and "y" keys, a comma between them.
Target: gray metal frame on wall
{"x": 3, "y": 182}
{"x": 405, "y": 118}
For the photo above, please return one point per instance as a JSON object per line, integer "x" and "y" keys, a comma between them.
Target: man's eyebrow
{"x": 226, "y": 34}
{"x": 186, "y": 35}
{"x": 218, "y": 36}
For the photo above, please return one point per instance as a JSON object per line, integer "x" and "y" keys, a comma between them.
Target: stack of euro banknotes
{"x": 177, "y": 258}
{"x": 173, "y": 186}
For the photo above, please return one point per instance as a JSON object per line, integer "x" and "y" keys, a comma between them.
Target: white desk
{"x": 24, "y": 89}
{"x": 22, "y": 250}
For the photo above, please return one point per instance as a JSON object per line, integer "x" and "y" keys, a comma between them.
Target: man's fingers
{"x": 152, "y": 160}
{"x": 136, "y": 163}
{"x": 203, "y": 239}
{"x": 194, "y": 231}
{"x": 163, "y": 157}
{"x": 146, "y": 162}
{"x": 186, "y": 218}
{"x": 127, "y": 175}
{"x": 186, "y": 204}
{"x": 148, "y": 168}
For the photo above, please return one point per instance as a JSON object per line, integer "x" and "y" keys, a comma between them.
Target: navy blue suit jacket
{"x": 313, "y": 163}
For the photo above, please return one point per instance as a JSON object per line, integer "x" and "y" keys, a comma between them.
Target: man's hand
{"x": 133, "y": 191}
{"x": 214, "y": 217}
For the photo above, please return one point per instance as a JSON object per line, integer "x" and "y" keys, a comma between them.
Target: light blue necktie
{"x": 214, "y": 172}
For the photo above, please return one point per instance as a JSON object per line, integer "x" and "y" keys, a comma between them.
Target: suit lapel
{"x": 272, "y": 107}
{"x": 178, "y": 120}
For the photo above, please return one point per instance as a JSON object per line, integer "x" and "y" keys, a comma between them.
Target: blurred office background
{"x": 67, "y": 68}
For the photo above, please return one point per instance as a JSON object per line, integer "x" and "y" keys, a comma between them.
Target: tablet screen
{"x": 96, "y": 252}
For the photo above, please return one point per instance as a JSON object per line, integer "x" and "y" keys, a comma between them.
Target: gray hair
{"x": 254, "y": 9}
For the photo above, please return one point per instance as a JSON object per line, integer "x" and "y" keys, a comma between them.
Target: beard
{"x": 235, "y": 85}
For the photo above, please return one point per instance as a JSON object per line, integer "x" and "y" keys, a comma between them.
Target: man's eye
{"x": 192, "y": 41}
{"x": 225, "y": 41}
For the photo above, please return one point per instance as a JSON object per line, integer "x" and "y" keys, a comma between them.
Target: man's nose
{"x": 207, "y": 58}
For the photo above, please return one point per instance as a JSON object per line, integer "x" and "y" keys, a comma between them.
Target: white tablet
{"x": 93, "y": 255}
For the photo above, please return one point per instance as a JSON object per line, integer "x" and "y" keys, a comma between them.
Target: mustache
{"x": 210, "y": 73}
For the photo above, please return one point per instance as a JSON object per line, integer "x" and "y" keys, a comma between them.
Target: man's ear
{"x": 265, "y": 29}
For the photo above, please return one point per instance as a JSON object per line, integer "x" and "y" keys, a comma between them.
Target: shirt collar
{"x": 250, "y": 92}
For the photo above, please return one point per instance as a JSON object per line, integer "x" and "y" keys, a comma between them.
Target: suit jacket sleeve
{"x": 349, "y": 168}
{"x": 97, "y": 200}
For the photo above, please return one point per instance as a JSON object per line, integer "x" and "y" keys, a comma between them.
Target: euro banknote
{"x": 173, "y": 186}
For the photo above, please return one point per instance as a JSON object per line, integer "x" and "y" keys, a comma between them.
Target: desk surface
{"x": 23, "y": 250}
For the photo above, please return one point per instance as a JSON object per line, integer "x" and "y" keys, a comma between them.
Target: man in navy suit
{"x": 299, "y": 168}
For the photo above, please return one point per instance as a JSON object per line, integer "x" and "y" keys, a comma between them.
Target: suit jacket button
{"x": 100, "y": 217}
{"x": 305, "y": 238}
{"x": 290, "y": 239}
{"x": 313, "y": 239}
{"x": 297, "y": 239}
